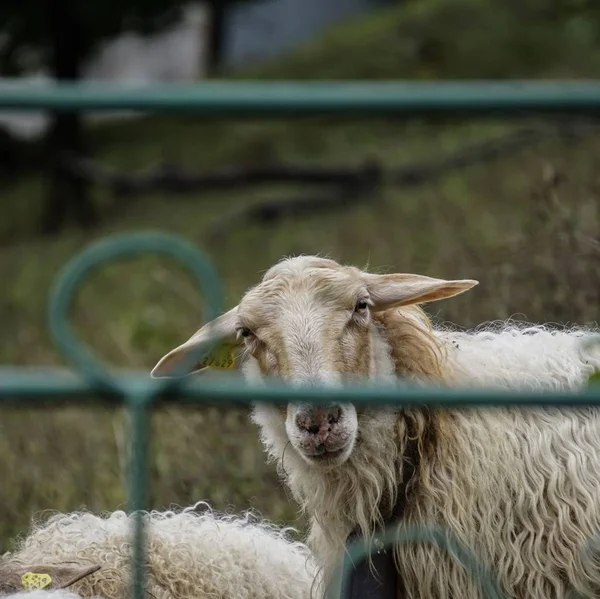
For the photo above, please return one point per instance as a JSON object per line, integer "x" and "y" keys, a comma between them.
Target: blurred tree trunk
{"x": 216, "y": 37}
{"x": 66, "y": 192}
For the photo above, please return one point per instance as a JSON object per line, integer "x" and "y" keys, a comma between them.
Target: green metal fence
{"x": 139, "y": 393}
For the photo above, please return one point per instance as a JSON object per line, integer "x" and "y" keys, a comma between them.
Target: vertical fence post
{"x": 139, "y": 413}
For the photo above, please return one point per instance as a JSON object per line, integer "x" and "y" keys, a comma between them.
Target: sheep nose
{"x": 315, "y": 420}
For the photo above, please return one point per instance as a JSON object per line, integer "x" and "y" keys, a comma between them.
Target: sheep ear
{"x": 19, "y": 576}
{"x": 395, "y": 290}
{"x": 177, "y": 363}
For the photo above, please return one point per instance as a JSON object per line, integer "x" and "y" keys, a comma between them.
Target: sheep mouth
{"x": 327, "y": 456}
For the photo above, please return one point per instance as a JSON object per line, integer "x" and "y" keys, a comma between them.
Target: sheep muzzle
{"x": 322, "y": 433}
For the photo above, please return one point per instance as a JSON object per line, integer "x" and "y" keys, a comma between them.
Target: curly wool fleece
{"x": 189, "y": 555}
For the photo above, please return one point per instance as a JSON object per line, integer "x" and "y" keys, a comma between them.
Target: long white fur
{"x": 192, "y": 554}
{"x": 520, "y": 487}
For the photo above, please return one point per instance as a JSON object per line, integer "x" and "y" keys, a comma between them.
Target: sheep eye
{"x": 361, "y": 306}
{"x": 245, "y": 332}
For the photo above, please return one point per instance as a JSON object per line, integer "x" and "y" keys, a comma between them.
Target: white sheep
{"x": 520, "y": 487}
{"x": 191, "y": 554}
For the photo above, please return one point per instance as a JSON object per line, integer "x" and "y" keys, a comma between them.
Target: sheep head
{"x": 312, "y": 321}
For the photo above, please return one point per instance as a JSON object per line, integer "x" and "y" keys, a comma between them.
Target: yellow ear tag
{"x": 31, "y": 580}
{"x": 222, "y": 356}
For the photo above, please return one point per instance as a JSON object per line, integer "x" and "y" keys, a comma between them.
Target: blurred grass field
{"x": 526, "y": 226}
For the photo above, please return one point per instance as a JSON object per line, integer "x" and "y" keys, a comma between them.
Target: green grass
{"x": 531, "y": 241}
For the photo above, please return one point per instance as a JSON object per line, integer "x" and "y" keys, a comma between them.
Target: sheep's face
{"x": 312, "y": 321}
{"x": 310, "y": 325}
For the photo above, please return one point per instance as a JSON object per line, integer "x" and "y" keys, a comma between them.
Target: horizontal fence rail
{"x": 59, "y": 387}
{"x": 136, "y": 391}
{"x": 287, "y": 98}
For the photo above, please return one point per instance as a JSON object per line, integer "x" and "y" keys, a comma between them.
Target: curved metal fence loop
{"x": 139, "y": 397}
{"x": 93, "y": 258}
{"x": 420, "y": 533}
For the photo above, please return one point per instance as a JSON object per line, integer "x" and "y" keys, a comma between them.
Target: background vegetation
{"x": 526, "y": 226}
